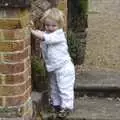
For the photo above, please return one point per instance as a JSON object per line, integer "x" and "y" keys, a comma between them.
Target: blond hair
{"x": 54, "y": 14}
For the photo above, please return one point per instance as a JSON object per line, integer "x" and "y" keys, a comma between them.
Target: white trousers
{"x": 62, "y": 86}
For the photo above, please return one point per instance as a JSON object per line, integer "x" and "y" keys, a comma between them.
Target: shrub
{"x": 39, "y": 74}
{"x": 76, "y": 47}
{"x": 83, "y": 6}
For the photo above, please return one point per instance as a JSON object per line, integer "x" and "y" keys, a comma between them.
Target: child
{"x": 58, "y": 62}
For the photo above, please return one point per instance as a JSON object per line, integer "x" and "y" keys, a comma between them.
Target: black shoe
{"x": 54, "y": 108}
{"x": 63, "y": 113}
{"x": 57, "y": 108}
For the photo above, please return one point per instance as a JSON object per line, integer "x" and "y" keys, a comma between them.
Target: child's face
{"x": 50, "y": 25}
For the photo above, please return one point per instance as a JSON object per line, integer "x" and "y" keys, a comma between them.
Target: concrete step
{"x": 97, "y": 97}
{"x": 97, "y": 83}
{"x": 87, "y": 108}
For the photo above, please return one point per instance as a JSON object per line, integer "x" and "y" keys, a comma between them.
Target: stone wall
{"x": 103, "y": 41}
{"x": 37, "y": 10}
{"x": 40, "y": 6}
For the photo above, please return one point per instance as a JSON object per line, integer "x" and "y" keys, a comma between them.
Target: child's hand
{"x": 38, "y": 33}
{"x": 31, "y": 25}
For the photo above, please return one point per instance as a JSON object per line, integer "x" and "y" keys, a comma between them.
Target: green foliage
{"x": 79, "y": 6}
{"x": 78, "y": 15}
{"x": 39, "y": 74}
{"x": 83, "y": 6}
{"x": 38, "y": 66}
{"x": 74, "y": 46}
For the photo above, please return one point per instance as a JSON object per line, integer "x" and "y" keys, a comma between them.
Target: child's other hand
{"x": 37, "y": 33}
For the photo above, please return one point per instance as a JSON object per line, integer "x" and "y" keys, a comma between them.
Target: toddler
{"x": 58, "y": 61}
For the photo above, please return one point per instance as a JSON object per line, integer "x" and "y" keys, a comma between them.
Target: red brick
{"x": 18, "y": 78}
{"x": 14, "y": 57}
{"x": 11, "y": 13}
{"x": 28, "y": 83}
{"x": 14, "y": 79}
{"x": 15, "y": 13}
{"x": 15, "y": 101}
{"x": 23, "y": 33}
{"x": 11, "y": 46}
{"x": 29, "y": 50}
{"x": 27, "y": 42}
{"x": 27, "y": 63}
{"x": 12, "y": 90}
{"x": 1, "y": 100}
{"x": 12, "y": 34}
{"x": 11, "y": 68}
{"x": 1, "y": 58}
{"x": 29, "y": 69}
{"x": 7, "y": 34}
{"x": 10, "y": 23}
{"x": 19, "y": 21}
{"x": 2, "y": 78}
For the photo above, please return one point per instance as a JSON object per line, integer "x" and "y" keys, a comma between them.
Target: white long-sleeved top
{"x": 55, "y": 50}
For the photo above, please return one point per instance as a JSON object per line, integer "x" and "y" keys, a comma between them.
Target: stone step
{"x": 97, "y": 83}
{"x": 92, "y": 108}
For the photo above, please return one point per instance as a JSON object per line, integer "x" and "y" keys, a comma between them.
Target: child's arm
{"x": 38, "y": 33}
{"x": 54, "y": 38}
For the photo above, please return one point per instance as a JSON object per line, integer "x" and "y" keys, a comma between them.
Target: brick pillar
{"x": 15, "y": 68}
